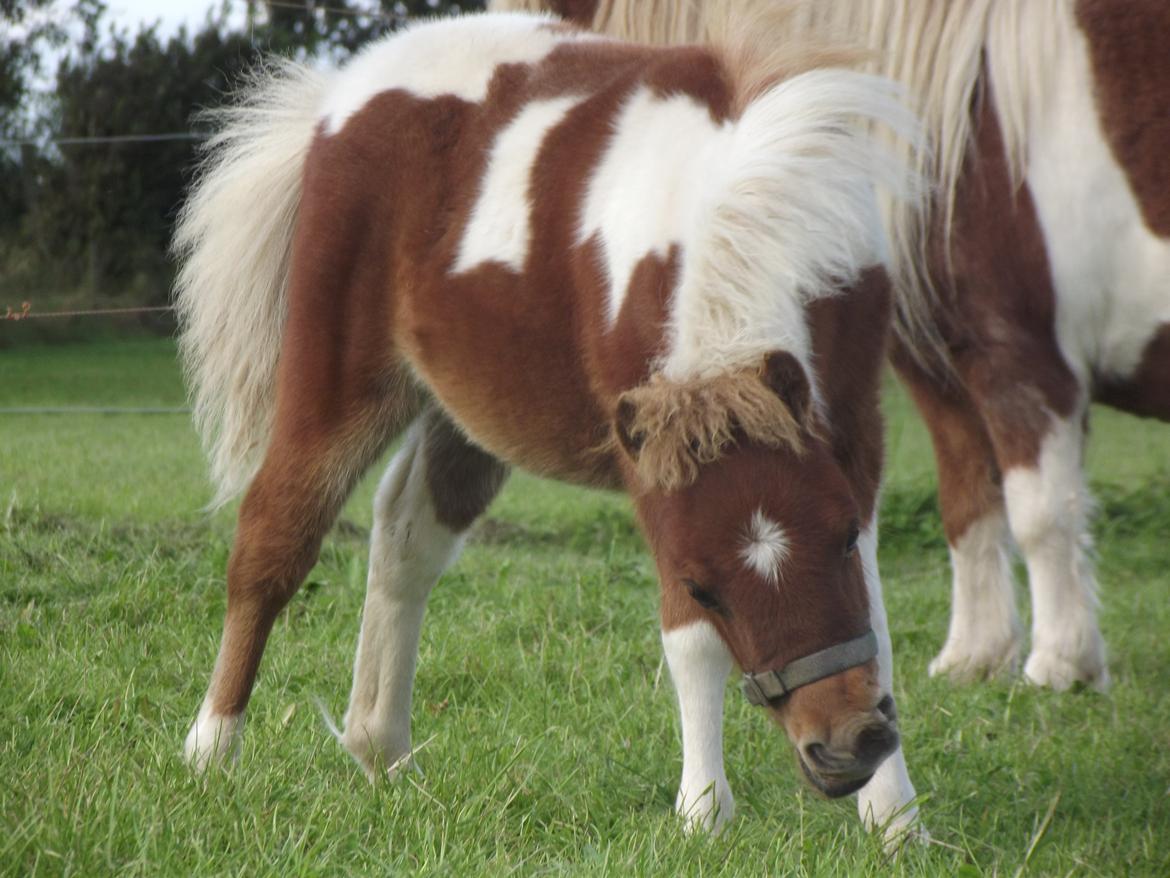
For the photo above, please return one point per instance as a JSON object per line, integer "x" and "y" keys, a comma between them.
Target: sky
{"x": 130, "y": 14}
{"x": 170, "y": 13}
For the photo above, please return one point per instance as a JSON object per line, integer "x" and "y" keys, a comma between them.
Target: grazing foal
{"x": 1035, "y": 284}
{"x": 613, "y": 265}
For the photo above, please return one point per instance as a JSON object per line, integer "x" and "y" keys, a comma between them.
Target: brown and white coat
{"x": 619, "y": 266}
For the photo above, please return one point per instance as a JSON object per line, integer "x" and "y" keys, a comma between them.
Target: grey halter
{"x": 763, "y": 687}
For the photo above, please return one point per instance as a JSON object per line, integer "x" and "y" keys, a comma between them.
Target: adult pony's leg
{"x": 887, "y": 801}
{"x": 1048, "y": 508}
{"x": 1036, "y": 411}
{"x": 984, "y": 633}
{"x": 309, "y": 468}
{"x": 436, "y": 486}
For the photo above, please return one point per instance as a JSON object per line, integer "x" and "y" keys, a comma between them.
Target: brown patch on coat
{"x": 1130, "y": 61}
{"x": 672, "y": 428}
{"x": 969, "y": 479}
{"x": 625, "y": 352}
{"x": 693, "y": 71}
{"x": 1146, "y": 392}
{"x": 849, "y": 333}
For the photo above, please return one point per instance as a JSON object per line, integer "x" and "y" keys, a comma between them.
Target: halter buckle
{"x": 764, "y": 687}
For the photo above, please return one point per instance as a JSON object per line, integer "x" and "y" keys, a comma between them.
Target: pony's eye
{"x": 702, "y": 596}
{"x": 851, "y": 542}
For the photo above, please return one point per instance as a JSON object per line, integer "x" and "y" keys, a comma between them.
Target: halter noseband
{"x": 763, "y": 687}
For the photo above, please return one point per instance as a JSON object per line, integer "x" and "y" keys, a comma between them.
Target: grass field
{"x": 551, "y": 728}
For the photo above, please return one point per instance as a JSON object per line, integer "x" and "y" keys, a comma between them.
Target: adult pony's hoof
{"x": 968, "y": 662}
{"x": 1056, "y": 670}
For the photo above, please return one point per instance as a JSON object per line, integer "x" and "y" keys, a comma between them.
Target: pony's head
{"x": 755, "y": 529}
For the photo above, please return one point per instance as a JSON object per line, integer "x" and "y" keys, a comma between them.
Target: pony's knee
{"x": 1048, "y": 501}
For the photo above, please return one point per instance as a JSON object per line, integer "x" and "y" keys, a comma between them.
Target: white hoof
{"x": 965, "y": 661}
{"x": 378, "y": 756}
{"x": 1059, "y": 669}
{"x": 213, "y": 740}
{"x": 898, "y": 834}
{"x": 708, "y": 809}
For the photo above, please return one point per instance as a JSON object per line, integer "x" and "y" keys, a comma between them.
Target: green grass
{"x": 550, "y": 720}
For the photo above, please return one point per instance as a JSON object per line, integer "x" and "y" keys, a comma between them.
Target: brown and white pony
{"x": 627, "y": 267}
{"x": 1037, "y": 281}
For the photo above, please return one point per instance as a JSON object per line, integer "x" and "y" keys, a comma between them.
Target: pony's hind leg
{"x": 984, "y": 633}
{"x": 435, "y": 487}
{"x": 309, "y": 469}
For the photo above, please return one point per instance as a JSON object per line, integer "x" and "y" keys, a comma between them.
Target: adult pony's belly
{"x": 508, "y": 371}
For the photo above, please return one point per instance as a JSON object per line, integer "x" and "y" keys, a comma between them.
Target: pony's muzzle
{"x": 846, "y": 763}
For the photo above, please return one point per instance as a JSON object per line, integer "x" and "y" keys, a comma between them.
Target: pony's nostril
{"x": 875, "y": 742}
{"x": 888, "y": 709}
{"x": 817, "y": 755}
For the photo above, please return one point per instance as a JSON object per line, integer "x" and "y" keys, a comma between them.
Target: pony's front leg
{"x": 887, "y": 801}
{"x": 699, "y": 664}
{"x": 431, "y": 493}
{"x": 1048, "y": 509}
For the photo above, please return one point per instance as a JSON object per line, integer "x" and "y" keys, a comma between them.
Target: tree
{"x": 99, "y": 215}
{"x": 342, "y": 27}
{"x": 24, "y": 33}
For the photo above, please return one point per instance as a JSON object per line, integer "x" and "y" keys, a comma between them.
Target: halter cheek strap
{"x": 763, "y": 687}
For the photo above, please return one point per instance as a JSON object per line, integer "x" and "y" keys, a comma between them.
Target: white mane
{"x": 792, "y": 216}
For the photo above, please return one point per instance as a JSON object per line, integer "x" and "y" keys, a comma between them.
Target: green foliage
{"x": 93, "y": 220}
{"x": 551, "y": 729}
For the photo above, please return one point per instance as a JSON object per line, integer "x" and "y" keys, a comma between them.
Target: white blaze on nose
{"x": 767, "y": 547}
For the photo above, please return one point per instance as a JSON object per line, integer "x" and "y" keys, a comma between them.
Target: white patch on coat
{"x": 766, "y": 549}
{"x": 213, "y": 739}
{"x": 1048, "y": 510}
{"x": 644, "y": 196}
{"x": 449, "y": 56}
{"x": 887, "y": 801}
{"x": 1108, "y": 269}
{"x": 699, "y": 663}
{"x": 984, "y": 634}
{"x": 500, "y": 224}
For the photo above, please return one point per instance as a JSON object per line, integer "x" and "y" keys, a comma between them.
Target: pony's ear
{"x": 624, "y": 417}
{"x": 783, "y": 373}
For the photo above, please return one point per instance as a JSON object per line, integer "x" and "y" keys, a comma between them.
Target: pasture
{"x": 547, "y": 717}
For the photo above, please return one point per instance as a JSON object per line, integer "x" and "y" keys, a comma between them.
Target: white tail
{"x": 233, "y": 241}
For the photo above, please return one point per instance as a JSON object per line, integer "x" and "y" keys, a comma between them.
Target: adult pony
{"x": 629, "y": 267}
{"x": 1037, "y": 281}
